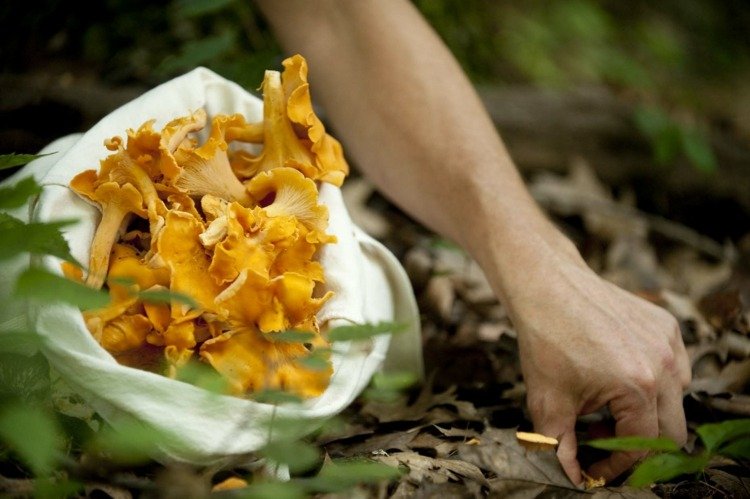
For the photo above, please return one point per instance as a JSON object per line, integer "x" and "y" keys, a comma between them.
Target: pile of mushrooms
{"x": 236, "y": 232}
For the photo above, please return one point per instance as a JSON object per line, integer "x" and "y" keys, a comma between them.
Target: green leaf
{"x": 662, "y": 132}
{"x": 738, "y": 449}
{"x": 388, "y": 387}
{"x": 288, "y": 427}
{"x": 33, "y": 434}
{"x": 203, "y": 376}
{"x": 343, "y": 474}
{"x": 41, "y": 286}
{"x": 38, "y": 238}
{"x": 363, "y": 331}
{"x": 195, "y": 53}
{"x": 194, "y": 8}
{"x": 299, "y": 456}
{"x": 131, "y": 443}
{"x": 318, "y": 360}
{"x": 273, "y": 490}
{"x": 10, "y": 341}
{"x": 56, "y": 487}
{"x": 13, "y": 159}
{"x": 714, "y": 435}
{"x": 276, "y": 397}
{"x": 698, "y": 150}
{"x": 165, "y": 296}
{"x": 23, "y": 378}
{"x": 633, "y": 443}
{"x": 291, "y": 336}
{"x": 397, "y": 381}
{"x": 442, "y": 243}
{"x": 17, "y": 195}
{"x": 664, "y": 467}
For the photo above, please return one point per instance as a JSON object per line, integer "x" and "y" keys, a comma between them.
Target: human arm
{"x": 408, "y": 115}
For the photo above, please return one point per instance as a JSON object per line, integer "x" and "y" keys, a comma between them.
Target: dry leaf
{"x": 440, "y": 295}
{"x": 500, "y": 453}
{"x": 721, "y": 308}
{"x": 423, "y": 407}
{"x": 436, "y": 470}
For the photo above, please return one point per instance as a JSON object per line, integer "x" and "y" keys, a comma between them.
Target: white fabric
{"x": 368, "y": 282}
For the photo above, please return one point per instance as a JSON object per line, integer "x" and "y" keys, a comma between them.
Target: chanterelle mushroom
{"x": 329, "y": 155}
{"x": 252, "y": 363}
{"x": 206, "y": 169}
{"x": 116, "y": 203}
{"x": 245, "y": 254}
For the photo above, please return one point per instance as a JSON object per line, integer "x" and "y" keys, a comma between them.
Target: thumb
{"x": 557, "y": 419}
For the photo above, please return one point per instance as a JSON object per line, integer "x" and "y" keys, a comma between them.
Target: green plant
{"x": 729, "y": 439}
{"x": 670, "y": 139}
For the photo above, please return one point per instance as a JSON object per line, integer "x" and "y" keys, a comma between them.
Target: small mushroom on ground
{"x": 536, "y": 441}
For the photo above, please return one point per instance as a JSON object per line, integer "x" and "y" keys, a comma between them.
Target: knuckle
{"x": 646, "y": 381}
{"x": 667, "y": 360}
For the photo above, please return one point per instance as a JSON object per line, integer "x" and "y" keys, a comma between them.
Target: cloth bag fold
{"x": 369, "y": 285}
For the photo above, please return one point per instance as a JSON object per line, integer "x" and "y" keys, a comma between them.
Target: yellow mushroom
{"x": 295, "y": 294}
{"x": 251, "y": 242}
{"x": 206, "y": 169}
{"x": 172, "y": 136}
{"x": 143, "y": 147}
{"x": 126, "y": 265}
{"x": 181, "y": 251}
{"x": 298, "y": 257}
{"x": 246, "y": 255}
{"x": 245, "y": 299}
{"x": 123, "y": 333}
{"x": 251, "y": 362}
{"x": 329, "y": 155}
{"x": 121, "y": 168}
{"x": 117, "y": 203}
{"x": 281, "y": 146}
{"x": 213, "y": 207}
{"x": 286, "y": 192}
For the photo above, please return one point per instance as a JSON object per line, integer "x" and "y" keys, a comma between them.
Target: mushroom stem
{"x": 114, "y": 217}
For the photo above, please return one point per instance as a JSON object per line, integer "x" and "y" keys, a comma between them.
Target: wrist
{"x": 522, "y": 252}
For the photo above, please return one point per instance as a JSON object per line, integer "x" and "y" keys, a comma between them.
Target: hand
{"x": 584, "y": 344}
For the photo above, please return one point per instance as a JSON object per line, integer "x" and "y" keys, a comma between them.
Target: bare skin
{"x": 409, "y": 117}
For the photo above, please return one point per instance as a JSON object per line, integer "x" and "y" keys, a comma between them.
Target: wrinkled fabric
{"x": 368, "y": 283}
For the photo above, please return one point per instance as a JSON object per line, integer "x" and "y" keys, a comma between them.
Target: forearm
{"x": 414, "y": 124}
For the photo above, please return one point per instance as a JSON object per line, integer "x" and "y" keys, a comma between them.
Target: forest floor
{"x": 454, "y": 435}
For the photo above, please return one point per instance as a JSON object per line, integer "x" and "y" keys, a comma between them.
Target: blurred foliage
{"x": 140, "y": 41}
{"x": 640, "y": 45}
{"x": 729, "y": 438}
{"x": 664, "y": 54}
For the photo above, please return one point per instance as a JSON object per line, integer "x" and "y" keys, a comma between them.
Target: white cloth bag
{"x": 368, "y": 282}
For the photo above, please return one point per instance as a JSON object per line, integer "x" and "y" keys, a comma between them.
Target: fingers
{"x": 557, "y": 419}
{"x": 682, "y": 364}
{"x": 671, "y": 414}
{"x": 634, "y": 415}
{"x": 566, "y": 453}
